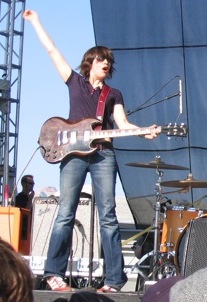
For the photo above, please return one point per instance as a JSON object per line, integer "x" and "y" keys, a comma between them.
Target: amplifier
{"x": 76, "y": 267}
{"x": 192, "y": 250}
{"x": 15, "y": 224}
{"x": 44, "y": 213}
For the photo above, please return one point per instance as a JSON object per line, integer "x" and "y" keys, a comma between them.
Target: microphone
{"x": 80, "y": 228}
{"x": 180, "y": 97}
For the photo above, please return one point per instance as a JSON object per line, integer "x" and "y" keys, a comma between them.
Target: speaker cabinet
{"x": 194, "y": 246}
{"x": 15, "y": 228}
{"x": 44, "y": 213}
{"x": 142, "y": 209}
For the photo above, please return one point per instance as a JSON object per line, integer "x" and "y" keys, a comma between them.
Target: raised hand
{"x": 30, "y": 15}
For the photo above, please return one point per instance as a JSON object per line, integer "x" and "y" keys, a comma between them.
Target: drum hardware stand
{"x": 155, "y": 252}
{"x": 158, "y": 267}
{"x": 136, "y": 266}
{"x": 157, "y": 207}
{"x": 158, "y": 193}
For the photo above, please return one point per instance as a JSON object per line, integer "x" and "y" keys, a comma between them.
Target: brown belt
{"x": 103, "y": 146}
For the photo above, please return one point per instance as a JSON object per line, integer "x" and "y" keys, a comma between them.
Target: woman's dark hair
{"x": 91, "y": 54}
{"x": 16, "y": 282}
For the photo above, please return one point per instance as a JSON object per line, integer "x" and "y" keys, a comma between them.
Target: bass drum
{"x": 175, "y": 220}
{"x": 180, "y": 246}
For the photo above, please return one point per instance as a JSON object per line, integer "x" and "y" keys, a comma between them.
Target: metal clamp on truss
{"x": 4, "y": 96}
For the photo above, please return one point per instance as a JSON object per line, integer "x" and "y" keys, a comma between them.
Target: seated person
{"x": 25, "y": 197}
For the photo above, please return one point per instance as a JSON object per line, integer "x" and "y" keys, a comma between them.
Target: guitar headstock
{"x": 175, "y": 130}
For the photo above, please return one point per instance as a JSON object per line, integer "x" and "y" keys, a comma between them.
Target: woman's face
{"x": 100, "y": 67}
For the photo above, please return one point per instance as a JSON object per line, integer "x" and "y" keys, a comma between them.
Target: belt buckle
{"x": 100, "y": 147}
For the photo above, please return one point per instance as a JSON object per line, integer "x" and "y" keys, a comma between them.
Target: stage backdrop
{"x": 156, "y": 44}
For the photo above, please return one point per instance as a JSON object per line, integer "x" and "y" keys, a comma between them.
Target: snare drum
{"x": 175, "y": 219}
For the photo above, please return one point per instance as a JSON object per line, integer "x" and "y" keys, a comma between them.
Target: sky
{"x": 43, "y": 93}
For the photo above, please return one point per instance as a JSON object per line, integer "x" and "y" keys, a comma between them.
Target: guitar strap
{"x": 101, "y": 104}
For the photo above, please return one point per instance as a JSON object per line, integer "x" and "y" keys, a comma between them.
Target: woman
{"x": 84, "y": 91}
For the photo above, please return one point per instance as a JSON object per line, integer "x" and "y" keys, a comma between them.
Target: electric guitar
{"x": 60, "y": 138}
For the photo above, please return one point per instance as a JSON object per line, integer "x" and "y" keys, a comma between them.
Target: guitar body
{"x": 60, "y": 138}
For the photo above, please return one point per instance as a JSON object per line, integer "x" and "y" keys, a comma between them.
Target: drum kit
{"x": 169, "y": 231}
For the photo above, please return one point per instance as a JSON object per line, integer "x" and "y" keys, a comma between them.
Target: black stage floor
{"x": 50, "y": 296}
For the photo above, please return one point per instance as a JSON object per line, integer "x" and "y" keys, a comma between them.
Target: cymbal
{"x": 157, "y": 164}
{"x": 189, "y": 182}
{"x": 154, "y": 195}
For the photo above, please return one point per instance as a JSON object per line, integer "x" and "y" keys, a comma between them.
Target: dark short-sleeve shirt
{"x": 21, "y": 200}
{"x": 84, "y": 100}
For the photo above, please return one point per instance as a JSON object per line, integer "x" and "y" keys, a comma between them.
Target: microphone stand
{"x": 91, "y": 243}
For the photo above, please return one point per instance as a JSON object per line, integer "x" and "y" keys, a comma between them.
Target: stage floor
{"x": 49, "y": 296}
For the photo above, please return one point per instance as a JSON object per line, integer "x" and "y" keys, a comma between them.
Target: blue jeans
{"x": 103, "y": 169}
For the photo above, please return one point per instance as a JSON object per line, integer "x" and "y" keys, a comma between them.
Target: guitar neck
{"x": 121, "y": 132}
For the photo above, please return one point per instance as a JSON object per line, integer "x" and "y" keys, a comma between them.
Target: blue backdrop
{"x": 155, "y": 44}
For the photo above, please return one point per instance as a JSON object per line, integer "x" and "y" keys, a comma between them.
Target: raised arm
{"x": 60, "y": 63}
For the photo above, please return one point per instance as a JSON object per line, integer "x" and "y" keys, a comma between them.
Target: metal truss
{"x": 11, "y": 52}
